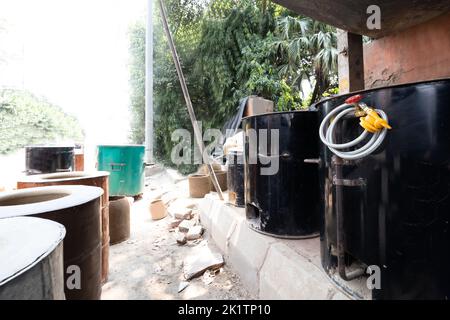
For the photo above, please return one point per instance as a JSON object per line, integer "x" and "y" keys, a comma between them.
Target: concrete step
{"x": 270, "y": 268}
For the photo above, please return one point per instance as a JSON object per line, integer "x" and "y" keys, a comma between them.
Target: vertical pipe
{"x": 340, "y": 234}
{"x": 149, "y": 84}
{"x": 197, "y": 132}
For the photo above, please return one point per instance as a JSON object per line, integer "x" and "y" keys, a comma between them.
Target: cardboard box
{"x": 257, "y": 105}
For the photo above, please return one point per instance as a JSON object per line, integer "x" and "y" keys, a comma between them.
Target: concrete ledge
{"x": 270, "y": 268}
{"x": 223, "y": 224}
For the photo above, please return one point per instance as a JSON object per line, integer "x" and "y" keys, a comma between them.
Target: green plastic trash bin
{"x": 126, "y": 166}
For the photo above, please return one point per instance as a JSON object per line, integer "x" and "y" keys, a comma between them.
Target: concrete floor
{"x": 149, "y": 264}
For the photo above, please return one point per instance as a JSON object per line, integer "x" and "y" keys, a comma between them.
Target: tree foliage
{"x": 228, "y": 49}
{"x": 26, "y": 119}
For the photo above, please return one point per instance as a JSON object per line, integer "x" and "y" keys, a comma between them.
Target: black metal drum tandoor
{"x": 282, "y": 196}
{"x": 394, "y": 203}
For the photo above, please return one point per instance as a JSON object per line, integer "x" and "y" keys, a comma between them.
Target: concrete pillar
{"x": 350, "y": 61}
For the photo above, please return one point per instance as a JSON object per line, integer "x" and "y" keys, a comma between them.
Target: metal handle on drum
{"x": 120, "y": 165}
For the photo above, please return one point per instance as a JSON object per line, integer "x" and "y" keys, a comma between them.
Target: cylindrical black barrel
{"x": 394, "y": 203}
{"x": 48, "y": 159}
{"x": 77, "y": 208}
{"x": 235, "y": 178}
{"x": 31, "y": 259}
{"x": 281, "y": 189}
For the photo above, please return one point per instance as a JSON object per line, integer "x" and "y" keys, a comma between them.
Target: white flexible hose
{"x": 327, "y": 136}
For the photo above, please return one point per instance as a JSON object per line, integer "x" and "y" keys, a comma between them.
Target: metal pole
{"x": 197, "y": 133}
{"x": 149, "y": 84}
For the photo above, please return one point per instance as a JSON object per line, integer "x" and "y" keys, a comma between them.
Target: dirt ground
{"x": 149, "y": 265}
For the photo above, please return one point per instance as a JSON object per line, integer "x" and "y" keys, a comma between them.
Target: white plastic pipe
{"x": 327, "y": 135}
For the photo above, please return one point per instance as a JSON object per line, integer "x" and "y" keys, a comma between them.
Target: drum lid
{"x": 24, "y": 242}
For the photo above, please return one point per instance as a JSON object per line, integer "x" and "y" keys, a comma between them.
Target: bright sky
{"x": 75, "y": 53}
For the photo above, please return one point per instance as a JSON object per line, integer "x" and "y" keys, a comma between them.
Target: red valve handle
{"x": 354, "y": 99}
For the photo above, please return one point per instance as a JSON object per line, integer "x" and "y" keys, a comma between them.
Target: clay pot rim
{"x": 198, "y": 176}
{"x": 69, "y": 196}
{"x": 63, "y": 176}
{"x": 12, "y": 231}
